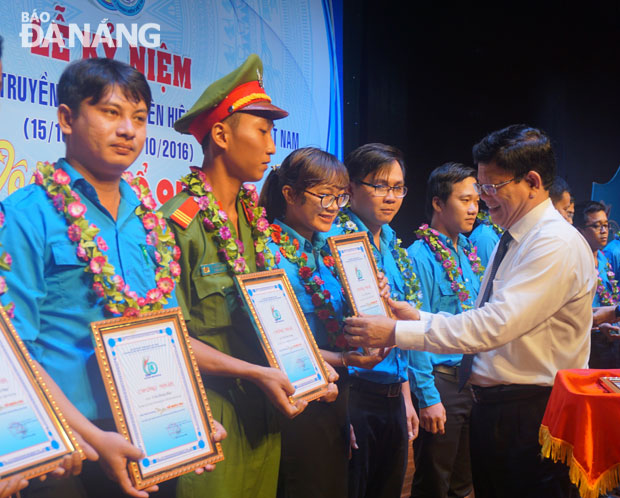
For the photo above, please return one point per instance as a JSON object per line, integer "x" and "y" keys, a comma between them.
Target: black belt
{"x": 508, "y": 392}
{"x": 446, "y": 370}
{"x": 387, "y": 390}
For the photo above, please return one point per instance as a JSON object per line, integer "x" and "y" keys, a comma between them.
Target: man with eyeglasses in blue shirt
{"x": 382, "y": 413}
{"x": 591, "y": 221}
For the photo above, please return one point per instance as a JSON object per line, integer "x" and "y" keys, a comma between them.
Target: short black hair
{"x": 584, "y": 208}
{"x": 518, "y": 149}
{"x": 89, "y": 79}
{"x": 372, "y": 158}
{"x": 441, "y": 180}
{"x": 558, "y": 187}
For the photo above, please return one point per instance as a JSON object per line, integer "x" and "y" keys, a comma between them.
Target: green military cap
{"x": 241, "y": 90}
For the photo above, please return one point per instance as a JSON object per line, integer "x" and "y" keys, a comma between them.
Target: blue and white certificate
{"x": 284, "y": 332}
{"x": 361, "y": 278}
{"x": 158, "y": 398}
{"x": 30, "y": 433}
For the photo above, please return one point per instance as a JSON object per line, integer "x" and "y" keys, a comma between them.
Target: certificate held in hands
{"x": 357, "y": 270}
{"x": 156, "y": 394}
{"x": 34, "y": 436}
{"x": 284, "y": 332}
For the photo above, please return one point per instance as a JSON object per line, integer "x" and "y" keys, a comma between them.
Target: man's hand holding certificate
{"x": 377, "y": 331}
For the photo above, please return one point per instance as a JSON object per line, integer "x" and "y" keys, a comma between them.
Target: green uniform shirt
{"x": 214, "y": 314}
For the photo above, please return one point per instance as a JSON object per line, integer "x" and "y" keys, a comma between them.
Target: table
{"x": 581, "y": 427}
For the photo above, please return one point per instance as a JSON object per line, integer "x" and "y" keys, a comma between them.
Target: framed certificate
{"x": 34, "y": 436}
{"x": 156, "y": 394}
{"x": 358, "y": 273}
{"x": 612, "y": 384}
{"x": 284, "y": 332}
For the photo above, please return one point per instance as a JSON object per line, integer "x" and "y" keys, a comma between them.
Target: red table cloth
{"x": 581, "y": 428}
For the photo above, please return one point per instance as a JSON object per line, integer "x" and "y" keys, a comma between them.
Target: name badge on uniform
{"x": 212, "y": 269}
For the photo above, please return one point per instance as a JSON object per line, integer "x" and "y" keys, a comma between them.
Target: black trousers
{"x": 442, "y": 464}
{"x": 315, "y": 449}
{"x": 377, "y": 468}
{"x": 603, "y": 352}
{"x": 505, "y": 452}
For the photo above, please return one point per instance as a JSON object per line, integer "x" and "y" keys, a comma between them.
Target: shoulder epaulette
{"x": 185, "y": 213}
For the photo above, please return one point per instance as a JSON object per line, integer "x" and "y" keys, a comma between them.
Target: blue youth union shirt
{"x": 437, "y": 295}
{"x": 315, "y": 262}
{"x": 485, "y": 238}
{"x": 54, "y": 301}
{"x": 393, "y": 368}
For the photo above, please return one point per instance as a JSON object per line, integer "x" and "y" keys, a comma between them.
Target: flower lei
{"x": 215, "y": 220}
{"x": 119, "y": 298}
{"x": 484, "y": 217}
{"x": 444, "y": 256}
{"x": 321, "y": 298}
{"x": 606, "y": 297}
{"x": 413, "y": 293}
{"x": 5, "y": 264}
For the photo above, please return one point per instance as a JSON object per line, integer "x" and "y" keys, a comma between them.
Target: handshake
{"x": 377, "y": 331}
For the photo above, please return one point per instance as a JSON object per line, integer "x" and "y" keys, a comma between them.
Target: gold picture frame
{"x": 156, "y": 394}
{"x": 284, "y": 332}
{"x": 356, "y": 246}
{"x": 35, "y": 435}
{"x": 611, "y": 384}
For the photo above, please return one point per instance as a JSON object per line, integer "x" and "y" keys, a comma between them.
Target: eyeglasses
{"x": 400, "y": 191}
{"x": 328, "y": 199}
{"x": 598, "y": 227}
{"x": 490, "y": 188}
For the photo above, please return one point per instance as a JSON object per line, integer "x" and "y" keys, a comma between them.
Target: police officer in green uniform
{"x": 221, "y": 232}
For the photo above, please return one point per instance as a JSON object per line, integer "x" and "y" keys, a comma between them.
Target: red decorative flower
{"x": 323, "y": 314}
{"x": 332, "y": 326}
{"x": 296, "y": 244}
{"x": 340, "y": 342}
{"x": 165, "y": 284}
{"x": 305, "y": 272}
{"x": 329, "y": 261}
{"x": 131, "y": 312}
{"x": 317, "y": 299}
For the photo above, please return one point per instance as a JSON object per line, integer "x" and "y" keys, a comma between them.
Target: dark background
{"x": 433, "y": 79}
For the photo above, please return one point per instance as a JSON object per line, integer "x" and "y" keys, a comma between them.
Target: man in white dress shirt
{"x": 533, "y": 318}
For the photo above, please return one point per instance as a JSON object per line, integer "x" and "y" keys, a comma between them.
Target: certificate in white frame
{"x": 34, "y": 435}
{"x": 156, "y": 393}
{"x": 284, "y": 332}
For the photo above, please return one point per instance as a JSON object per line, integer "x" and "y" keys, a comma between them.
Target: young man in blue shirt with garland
{"x": 382, "y": 413}
{"x": 591, "y": 221}
{"x": 449, "y": 272}
{"x": 84, "y": 243}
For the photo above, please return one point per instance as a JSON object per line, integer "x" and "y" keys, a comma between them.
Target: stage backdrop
{"x": 181, "y": 46}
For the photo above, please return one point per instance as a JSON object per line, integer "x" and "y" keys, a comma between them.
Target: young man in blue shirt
{"x": 449, "y": 272}
{"x": 103, "y": 108}
{"x": 591, "y": 221}
{"x": 382, "y": 413}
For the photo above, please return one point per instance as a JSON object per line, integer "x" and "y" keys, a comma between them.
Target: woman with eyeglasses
{"x": 302, "y": 198}
{"x": 382, "y": 413}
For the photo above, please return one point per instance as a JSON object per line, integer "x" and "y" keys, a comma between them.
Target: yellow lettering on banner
{"x": 11, "y": 172}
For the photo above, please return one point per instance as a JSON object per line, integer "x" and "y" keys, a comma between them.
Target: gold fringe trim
{"x": 560, "y": 450}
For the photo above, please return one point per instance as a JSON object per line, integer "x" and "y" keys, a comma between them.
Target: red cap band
{"x": 240, "y": 97}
